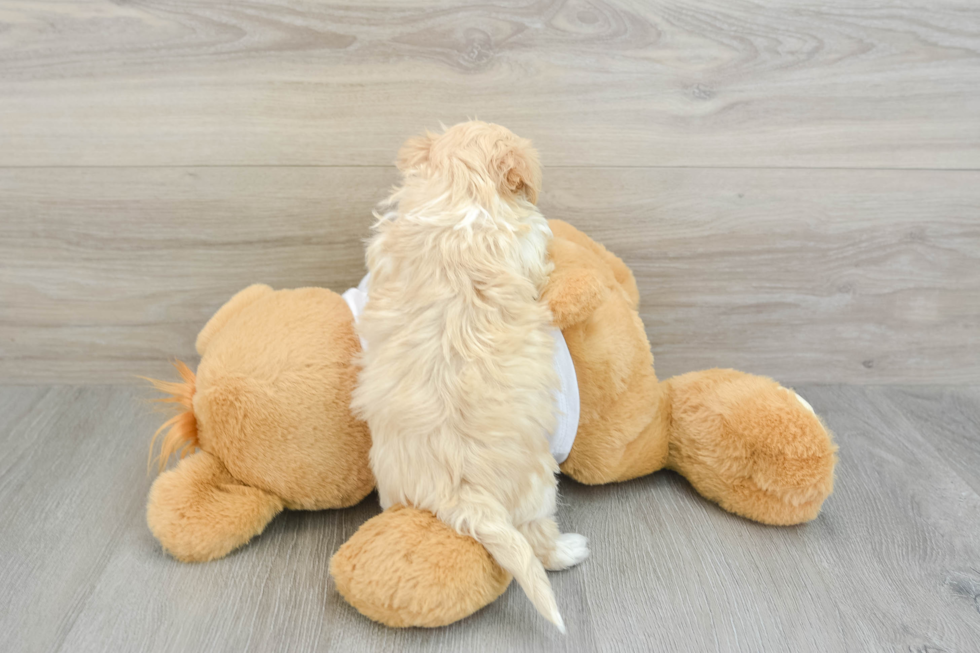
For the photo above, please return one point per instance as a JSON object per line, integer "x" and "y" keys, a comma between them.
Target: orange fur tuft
{"x": 181, "y": 436}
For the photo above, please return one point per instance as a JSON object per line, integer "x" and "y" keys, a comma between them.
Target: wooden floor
{"x": 892, "y": 563}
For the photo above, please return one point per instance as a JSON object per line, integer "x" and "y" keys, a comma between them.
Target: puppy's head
{"x": 475, "y": 160}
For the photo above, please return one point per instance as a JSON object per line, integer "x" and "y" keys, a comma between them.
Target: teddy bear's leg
{"x": 405, "y": 568}
{"x": 199, "y": 512}
{"x": 750, "y": 445}
{"x": 227, "y": 312}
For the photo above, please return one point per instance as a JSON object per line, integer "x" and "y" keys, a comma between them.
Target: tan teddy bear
{"x": 268, "y": 413}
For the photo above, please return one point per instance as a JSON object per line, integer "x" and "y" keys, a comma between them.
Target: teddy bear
{"x": 266, "y": 425}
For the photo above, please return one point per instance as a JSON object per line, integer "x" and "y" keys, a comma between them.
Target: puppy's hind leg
{"x": 555, "y": 550}
{"x": 479, "y": 515}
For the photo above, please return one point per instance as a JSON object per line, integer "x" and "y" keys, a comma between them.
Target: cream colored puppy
{"x": 457, "y": 379}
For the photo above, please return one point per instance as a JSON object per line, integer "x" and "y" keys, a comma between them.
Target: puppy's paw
{"x": 570, "y": 549}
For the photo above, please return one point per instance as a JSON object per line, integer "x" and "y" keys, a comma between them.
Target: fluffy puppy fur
{"x": 456, "y": 381}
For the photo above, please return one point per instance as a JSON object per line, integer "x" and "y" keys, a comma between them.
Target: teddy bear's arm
{"x": 574, "y": 289}
{"x": 601, "y": 257}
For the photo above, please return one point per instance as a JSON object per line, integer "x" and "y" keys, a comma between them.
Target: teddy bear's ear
{"x": 520, "y": 171}
{"x": 415, "y": 152}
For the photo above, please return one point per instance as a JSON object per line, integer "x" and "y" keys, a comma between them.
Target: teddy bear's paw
{"x": 753, "y": 446}
{"x": 199, "y": 511}
{"x": 794, "y": 465}
{"x": 406, "y": 568}
{"x": 796, "y": 481}
{"x": 570, "y": 549}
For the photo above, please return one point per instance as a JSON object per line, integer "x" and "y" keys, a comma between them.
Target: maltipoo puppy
{"x": 457, "y": 379}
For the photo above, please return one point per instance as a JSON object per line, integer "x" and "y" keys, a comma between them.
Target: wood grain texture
{"x": 953, "y": 414}
{"x": 805, "y": 275}
{"x": 839, "y": 83}
{"x": 891, "y": 563}
{"x": 107, "y": 273}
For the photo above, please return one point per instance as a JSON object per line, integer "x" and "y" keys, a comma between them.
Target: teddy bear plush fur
{"x": 268, "y": 422}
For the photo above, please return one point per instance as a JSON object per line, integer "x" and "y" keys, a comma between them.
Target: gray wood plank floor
{"x": 893, "y": 563}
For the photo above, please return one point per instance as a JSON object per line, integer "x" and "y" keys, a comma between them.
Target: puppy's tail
{"x": 490, "y": 525}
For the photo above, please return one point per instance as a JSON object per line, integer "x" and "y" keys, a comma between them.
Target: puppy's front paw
{"x": 570, "y": 549}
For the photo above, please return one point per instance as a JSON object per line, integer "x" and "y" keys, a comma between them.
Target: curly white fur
{"x": 457, "y": 377}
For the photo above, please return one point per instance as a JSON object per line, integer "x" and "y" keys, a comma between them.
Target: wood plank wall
{"x": 797, "y": 187}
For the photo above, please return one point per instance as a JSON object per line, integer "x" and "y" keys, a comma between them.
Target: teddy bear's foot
{"x": 751, "y": 445}
{"x": 404, "y": 567}
{"x": 199, "y": 512}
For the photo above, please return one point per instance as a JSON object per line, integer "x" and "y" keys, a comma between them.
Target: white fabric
{"x": 566, "y": 401}
{"x": 806, "y": 404}
{"x": 356, "y": 299}
{"x": 566, "y": 397}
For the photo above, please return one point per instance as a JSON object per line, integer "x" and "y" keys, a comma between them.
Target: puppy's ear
{"x": 520, "y": 170}
{"x": 414, "y": 152}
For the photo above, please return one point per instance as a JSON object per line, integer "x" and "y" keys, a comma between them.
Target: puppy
{"x": 456, "y": 380}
